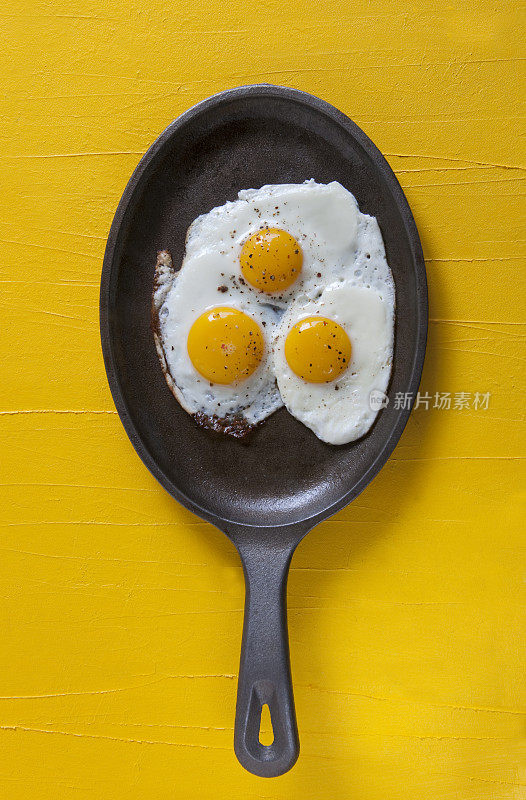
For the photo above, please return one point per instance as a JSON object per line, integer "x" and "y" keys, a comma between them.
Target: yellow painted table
{"x": 120, "y": 611}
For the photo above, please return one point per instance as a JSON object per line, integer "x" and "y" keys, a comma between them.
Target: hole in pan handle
{"x": 264, "y": 672}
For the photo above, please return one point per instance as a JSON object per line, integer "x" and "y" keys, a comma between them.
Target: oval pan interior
{"x": 244, "y": 139}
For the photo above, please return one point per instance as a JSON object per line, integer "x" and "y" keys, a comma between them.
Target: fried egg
{"x": 334, "y": 347}
{"x": 214, "y": 345}
{"x": 280, "y": 238}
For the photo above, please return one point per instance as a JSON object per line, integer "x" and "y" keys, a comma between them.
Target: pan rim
{"x": 118, "y": 231}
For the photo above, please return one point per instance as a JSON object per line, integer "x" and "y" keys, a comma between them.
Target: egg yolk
{"x": 271, "y": 260}
{"x": 318, "y": 350}
{"x": 225, "y": 345}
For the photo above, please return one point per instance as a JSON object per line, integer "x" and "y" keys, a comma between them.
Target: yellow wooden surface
{"x": 120, "y": 611}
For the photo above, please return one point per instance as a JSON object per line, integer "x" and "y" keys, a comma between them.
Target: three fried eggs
{"x": 284, "y": 297}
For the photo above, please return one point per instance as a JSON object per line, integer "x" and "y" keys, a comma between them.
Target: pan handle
{"x": 264, "y": 672}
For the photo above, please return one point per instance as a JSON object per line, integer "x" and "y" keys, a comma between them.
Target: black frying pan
{"x": 265, "y": 496}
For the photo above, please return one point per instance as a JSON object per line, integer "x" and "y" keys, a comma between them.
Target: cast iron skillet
{"x": 265, "y": 496}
